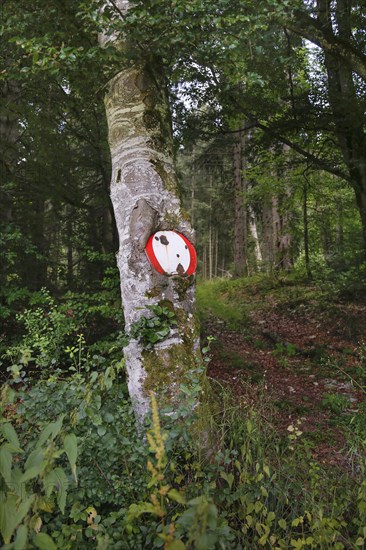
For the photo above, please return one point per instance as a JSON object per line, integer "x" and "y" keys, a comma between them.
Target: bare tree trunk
{"x": 268, "y": 240}
{"x": 9, "y": 134}
{"x": 254, "y": 233}
{"x": 306, "y": 228}
{"x": 240, "y": 217}
{"x": 70, "y": 260}
{"x": 216, "y": 252}
{"x": 193, "y": 190}
{"x": 210, "y": 241}
{"x": 145, "y": 198}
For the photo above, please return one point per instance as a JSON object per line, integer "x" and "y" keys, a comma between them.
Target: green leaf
{"x": 229, "y": 478}
{"x": 44, "y": 542}
{"x": 56, "y": 481}
{"x": 51, "y": 430}
{"x": 31, "y": 473}
{"x": 7, "y": 517}
{"x": 21, "y": 538}
{"x": 71, "y": 449}
{"x": 11, "y": 515}
{"x": 11, "y": 435}
{"x": 61, "y": 488}
{"x": 101, "y": 430}
{"x": 175, "y": 495}
{"x": 5, "y": 463}
{"x": 282, "y": 523}
{"x": 34, "y": 459}
{"x": 16, "y": 484}
{"x": 271, "y": 516}
{"x": 135, "y": 510}
{"x": 175, "y": 545}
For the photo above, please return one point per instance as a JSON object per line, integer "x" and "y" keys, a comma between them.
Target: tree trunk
{"x": 145, "y": 197}
{"x": 9, "y": 134}
{"x": 254, "y": 234}
{"x": 345, "y": 101}
{"x": 69, "y": 244}
{"x": 240, "y": 212}
{"x": 306, "y": 228}
{"x": 268, "y": 239}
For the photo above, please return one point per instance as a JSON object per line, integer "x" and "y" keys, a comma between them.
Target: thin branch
{"x": 310, "y": 28}
{"x": 319, "y": 163}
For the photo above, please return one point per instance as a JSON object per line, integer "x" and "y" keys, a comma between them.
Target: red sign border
{"x": 155, "y": 263}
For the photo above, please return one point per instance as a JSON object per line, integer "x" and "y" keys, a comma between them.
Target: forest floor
{"x": 296, "y": 349}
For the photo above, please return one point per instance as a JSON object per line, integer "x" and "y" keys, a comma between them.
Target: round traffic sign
{"x": 171, "y": 253}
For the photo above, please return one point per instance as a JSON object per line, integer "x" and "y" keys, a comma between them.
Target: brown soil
{"x": 309, "y": 364}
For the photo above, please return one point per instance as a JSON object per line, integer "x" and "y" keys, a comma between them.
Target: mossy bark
{"x": 145, "y": 197}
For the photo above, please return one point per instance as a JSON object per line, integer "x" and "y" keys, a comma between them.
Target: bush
{"x": 210, "y": 476}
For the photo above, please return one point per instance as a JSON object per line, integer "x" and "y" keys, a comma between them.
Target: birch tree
{"x": 145, "y": 197}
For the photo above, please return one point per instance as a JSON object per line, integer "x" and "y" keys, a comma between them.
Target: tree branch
{"x": 312, "y": 29}
{"x": 319, "y": 163}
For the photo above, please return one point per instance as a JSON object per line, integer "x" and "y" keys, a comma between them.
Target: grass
{"x": 214, "y": 298}
{"x": 231, "y": 300}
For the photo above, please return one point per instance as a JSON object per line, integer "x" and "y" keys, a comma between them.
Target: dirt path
{"x": 307, "y": 364}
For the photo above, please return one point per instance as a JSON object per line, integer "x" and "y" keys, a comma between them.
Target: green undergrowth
{"x": 214, "y": 299}
{"x": 76, "y": 474}
{"x": 231, "y": 300}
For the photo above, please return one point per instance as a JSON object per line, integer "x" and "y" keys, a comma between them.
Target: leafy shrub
{"x": 30, "y": 487}
{"x": 57, "y": 335}
{"x": 210, "y": 476}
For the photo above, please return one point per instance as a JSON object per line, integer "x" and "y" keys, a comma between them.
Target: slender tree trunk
{"x": 306, "y": 228}
{"x": 240, "y": 217}
{"x": 254, "y": 234}
{"x": 9, "y": 134}
{"x": 210, "y": 241}
{"x": 276, "y": 233}
{"x": 216, "y": 252}
{"x": 70, "y": 260}
{"x": 193, "y": 190}
{"x": 204, "y": 262}
{"x": 268, "y": 238}
{"x": 145, "y": 198}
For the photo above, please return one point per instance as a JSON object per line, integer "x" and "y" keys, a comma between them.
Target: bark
{"x": 240, "y": 207}
{"x": 254, "y": 234}
{"x": 344, "y": 99}
{"x": 306, "y": 229}
{"x": 268, "y": 238}
{"x": 9, "y": 135}
{"x": 210, "y": 242}
{"x": 313, "y": 30}
{"x": 145, "y": 197}
{"x": 277, "y": 238}
{"x": 70, "y": 264}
